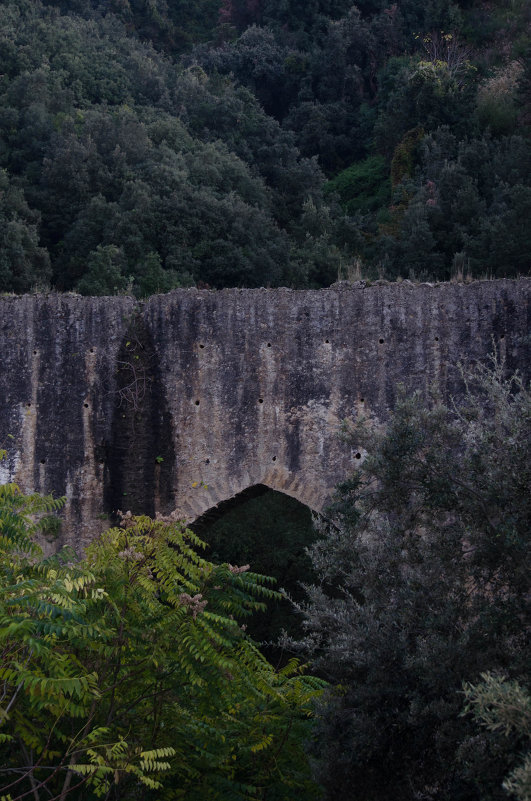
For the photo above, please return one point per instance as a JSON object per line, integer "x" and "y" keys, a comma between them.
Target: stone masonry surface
{"x": 189, "y": 398}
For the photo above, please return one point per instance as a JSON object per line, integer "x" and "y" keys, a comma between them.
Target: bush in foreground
{"x": 130, "y": 675}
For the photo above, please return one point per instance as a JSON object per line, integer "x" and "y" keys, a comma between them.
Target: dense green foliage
{"x": 129, "y": 674}
{"x": 149, "y": 145}
{"x": 424, "y": 586}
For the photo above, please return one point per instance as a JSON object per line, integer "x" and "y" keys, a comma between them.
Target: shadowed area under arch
{"x": 215, "y": 513}
{"x": 269, "y": 531}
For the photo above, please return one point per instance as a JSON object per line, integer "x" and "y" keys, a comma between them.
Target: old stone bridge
{"x": 190, "y": 398}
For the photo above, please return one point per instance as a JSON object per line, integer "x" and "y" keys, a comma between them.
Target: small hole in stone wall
{"x": 502, "y": 336}
{"x": 269, "y": 344}
{"x": 381, "y": 341}
{"x": 260, "y": 400}
{"x": 34, "y": 352}
{"x": 207, "y": 461}
{"x": 43, "y": 461}
{"x": 327, "y": 342}
{"x": 436, "y": 339}
{"x": 28, "y": 405}
{"x": 358, "y": 456}
{"x": 85, "y": 405}
{"x": 201, "y": 346}
{"x": 362, "y": 400}
{"x": 197, "y": 403}
{"x": 274, "y": 458}
{"x": 92, "y": 350}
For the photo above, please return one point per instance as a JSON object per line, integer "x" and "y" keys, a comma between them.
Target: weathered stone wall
{"x": 57, "y": 379}
{"x": 191, "y": 397}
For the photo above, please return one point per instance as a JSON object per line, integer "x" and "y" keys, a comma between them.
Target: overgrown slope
{"x": 145, "y": 146}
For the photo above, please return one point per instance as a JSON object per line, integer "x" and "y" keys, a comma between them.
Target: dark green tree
{"x": 104, "y": 274}
{"x": 423, "y": 585}
{"x": 23, "y": 263}
{"x": 467, "y": 205}
{"x": 364, "y": 186}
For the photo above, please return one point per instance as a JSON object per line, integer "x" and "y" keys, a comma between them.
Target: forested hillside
{"x": 151, "y": 144}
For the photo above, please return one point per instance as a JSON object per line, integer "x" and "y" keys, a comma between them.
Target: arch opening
{"x": 215, "y": 513}
{"x": 270, "y": 531}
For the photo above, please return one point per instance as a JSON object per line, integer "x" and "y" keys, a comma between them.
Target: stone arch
{"x": 216, "y": 512}
{"x": 204, "y": 499}
{"x": 269, "y": 531}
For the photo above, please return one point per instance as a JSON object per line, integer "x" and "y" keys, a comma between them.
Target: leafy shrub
{"x": 129, "y": 674}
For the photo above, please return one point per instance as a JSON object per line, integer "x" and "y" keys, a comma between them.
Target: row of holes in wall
{"x": 207, "y": 461}
{"x": 35, "y": 352}
{"x": 326, "y": 342}
{"x": 274, "y": 458}
{"x": 196, "y": 403}
{"x": 381, "y": 341}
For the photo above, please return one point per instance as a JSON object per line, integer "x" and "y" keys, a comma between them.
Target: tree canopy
{"x": 423, "y": 588}
{"x": 151, "y": 145}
